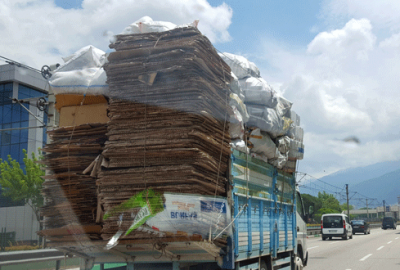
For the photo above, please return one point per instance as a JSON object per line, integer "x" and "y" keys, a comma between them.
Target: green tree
{"x": 329, "y": 202}
{"x": 343, "y": 206}
{"x": 23, "y": 186}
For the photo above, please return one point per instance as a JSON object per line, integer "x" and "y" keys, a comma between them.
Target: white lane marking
{"x": 334, "y": 243}
{"x": 366, "y": 257}
{"x": 396, "y": 238}
{"x": 390, "y": 242}
{"x": 312, "y": 247}
{"x": 379, "y": 248}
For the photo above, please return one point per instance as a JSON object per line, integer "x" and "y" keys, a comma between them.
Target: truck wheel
{"x": 263, "y": 265}
{"x": 344, "y": 237}
{"x": 298, "y": 263}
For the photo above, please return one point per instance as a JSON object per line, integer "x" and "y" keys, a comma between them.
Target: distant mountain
{"x": 385, "y": 187}
{"x": 380, "y": 180}
{"x": 354, "y": 176}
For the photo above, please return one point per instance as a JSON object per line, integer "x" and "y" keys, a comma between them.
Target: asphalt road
{"x": 379, "y": 250}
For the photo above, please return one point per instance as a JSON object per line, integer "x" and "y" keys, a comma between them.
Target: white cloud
{"x": 344, "y": 83}
{"x": 383, "y": 14}
{"x": 354, "y": 39}
{"x": 37, "y": 32}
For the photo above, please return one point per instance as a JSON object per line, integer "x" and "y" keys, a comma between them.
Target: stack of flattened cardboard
{"x": 169, "y": 114}
{"x": 71, "y": 195}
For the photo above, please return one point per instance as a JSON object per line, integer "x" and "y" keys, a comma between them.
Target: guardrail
{"x": 33, "y": 256}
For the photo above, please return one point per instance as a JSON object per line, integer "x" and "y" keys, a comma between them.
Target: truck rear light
{"x": 362, "y": 226}
{"x": 322, "y": 226}
{"x": 344, "y": 224}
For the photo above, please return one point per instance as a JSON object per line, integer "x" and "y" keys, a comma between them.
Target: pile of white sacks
{"x": 262, "y": 118}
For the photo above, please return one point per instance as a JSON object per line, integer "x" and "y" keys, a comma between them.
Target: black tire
{"x": 263, "y": 265}
{"x": 323, "y": 238}
{"x": 365, "y": 232}
{"x": 330, "y": 237}
{"x": 351, "y": 236}
{"x": 345, "y": 237}
{"x": 298, "y": 263}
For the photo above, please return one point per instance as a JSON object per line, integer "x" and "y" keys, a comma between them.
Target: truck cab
{"x": 301, "y": 219}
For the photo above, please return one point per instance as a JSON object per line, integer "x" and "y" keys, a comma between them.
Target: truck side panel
{"x": 264, "y": 208}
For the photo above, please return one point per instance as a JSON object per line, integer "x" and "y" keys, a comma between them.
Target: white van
{"x": 336, "y": 225}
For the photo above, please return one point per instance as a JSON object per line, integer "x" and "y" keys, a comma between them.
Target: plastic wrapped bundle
{"x": 240, "y": 66}
{"x": 262, "y": 144}
{"x": 236, "y": 128}
{"x": 82, "y": 73}
{"x": 257, "y": 91}
{"x": 296, "y": 150}
{"x": 240, "y": 145}
{"x": 235, "y": 86}
{"x": 236, "y": 102}
{"x": 296, "y": 133}
{"x": 267, "y": 120}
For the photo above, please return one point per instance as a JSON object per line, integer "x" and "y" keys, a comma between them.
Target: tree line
{"x": 324, "y": 203}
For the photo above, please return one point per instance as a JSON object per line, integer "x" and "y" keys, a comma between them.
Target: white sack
{"x": 82, "y": 73}
{"x": 294, "y": 117}
{"x": 257, "y": 91}
{"x": 267, "y": 120}
{"x": 283, "y": 106}
{"x": 283, "y": 144}
{"x": 235, "y": 86}
{"x": 236, "y": 128}
{"x": 240, "y": 145}
{"x": 280, "y": 160}
{"x": 236, "y": 102}
{"x": 296, "y": 149}
{"x": 240, "y": 66}
{"x": 147, "y": 25}
{"x": 296, "y": 133}
{"x": 262, "y": 144}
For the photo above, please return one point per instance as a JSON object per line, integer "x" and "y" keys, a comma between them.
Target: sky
{"x": 336, "y": 60}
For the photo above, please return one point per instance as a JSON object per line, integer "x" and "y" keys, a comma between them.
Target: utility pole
{"x": 367, "y": 209}
{"x": 347, "y": 194}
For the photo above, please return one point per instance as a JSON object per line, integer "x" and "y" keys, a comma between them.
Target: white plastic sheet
{"x": 296, "y": 133}
{"x": 296, "y": 149}
{"x": 257, "y": 91}
{"x": 283, "y": 106}
{"x": 262, "y": 144}
{"x": 192, "y": 214}
{"x": 240, "y": 66}
{"x": 240, "y": 145}
{"x": 236, "y": 128}
{"x": 280, "y": 160}
{"x": 283, "y": 144}
{"x": 235, "y": 86}
{"x": 82, "y": 73}
{"x": 267, "y": 120}
{"x": 147, "y": 25}
{"x": 236, "y": 102}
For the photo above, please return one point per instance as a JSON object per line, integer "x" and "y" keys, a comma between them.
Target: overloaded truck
{"x": 169, "y": 155}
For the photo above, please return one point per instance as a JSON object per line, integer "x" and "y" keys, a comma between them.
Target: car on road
{"x": 336, "y": 225}
{"x": 360, "y": 226}
{"x": 388, "y": 223}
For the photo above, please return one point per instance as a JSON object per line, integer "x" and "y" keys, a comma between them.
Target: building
{"x": 20, "y": 129}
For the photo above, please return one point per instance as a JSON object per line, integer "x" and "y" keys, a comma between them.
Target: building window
{"x": 6, "y": 93}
